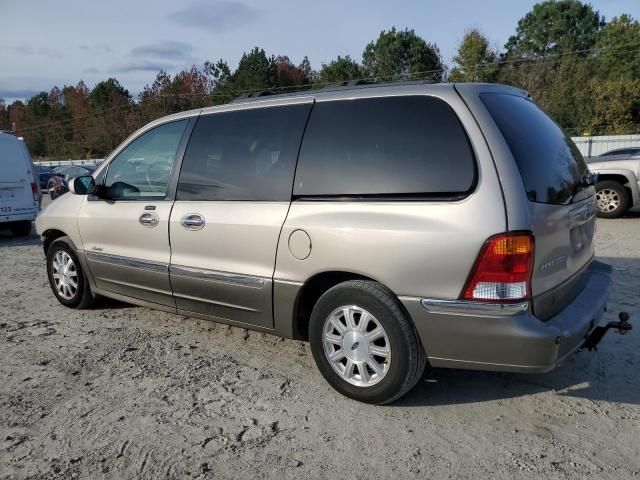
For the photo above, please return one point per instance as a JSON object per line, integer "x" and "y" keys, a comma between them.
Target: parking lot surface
{"x": 123, "y": 392}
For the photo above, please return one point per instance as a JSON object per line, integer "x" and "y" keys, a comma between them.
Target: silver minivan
{"x": 392, "y": 226}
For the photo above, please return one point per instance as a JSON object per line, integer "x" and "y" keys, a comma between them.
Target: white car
{"x": 19, "y": 191}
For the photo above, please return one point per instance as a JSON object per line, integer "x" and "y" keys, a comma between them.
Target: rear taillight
{"x": 502, "y": 272}
{"x": 34, "y": 190}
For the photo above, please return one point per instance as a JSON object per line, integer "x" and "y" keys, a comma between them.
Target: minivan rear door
{"x": 560, "y": 200}
{"x": 16, "y": 178}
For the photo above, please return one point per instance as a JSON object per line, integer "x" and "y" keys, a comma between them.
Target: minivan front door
{"x": 125, "y": 231}
{"x": 232, "y": 199}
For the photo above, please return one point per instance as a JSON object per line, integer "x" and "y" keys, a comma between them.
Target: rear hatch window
{"x": 561, "y": 205}
{"x": 551, "y": 167}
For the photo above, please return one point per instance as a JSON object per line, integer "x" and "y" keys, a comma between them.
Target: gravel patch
{"x": 124, "y": 392}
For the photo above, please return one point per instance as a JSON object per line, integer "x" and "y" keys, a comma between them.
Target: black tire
{"x": 82, "y": 298}
{"x": 613, "y": 188}
{"x": 21, "y": 229}
{"x": 408, "y": 358}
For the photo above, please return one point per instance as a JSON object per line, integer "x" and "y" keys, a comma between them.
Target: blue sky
{"x": 46, "y": 43}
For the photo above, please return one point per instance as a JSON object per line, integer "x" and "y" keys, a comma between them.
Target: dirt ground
{"x": 123, "y": 392}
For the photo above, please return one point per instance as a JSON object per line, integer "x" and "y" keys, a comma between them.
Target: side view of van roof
{"x": 392, "y": 226}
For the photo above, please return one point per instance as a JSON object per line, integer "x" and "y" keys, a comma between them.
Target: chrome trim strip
{"x": 222, "y": 304}
{"x": 217, "y": 276}
{"x": 128, "y": 262}
{"x": 465, "y": 307}
{"x": 288, "y": 282}
{"x": 134, "y": 285}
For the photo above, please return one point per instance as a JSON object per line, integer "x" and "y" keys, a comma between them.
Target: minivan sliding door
{"x": 232, "y": 198}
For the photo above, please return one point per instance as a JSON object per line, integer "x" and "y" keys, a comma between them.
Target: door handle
{"x": 149, "y": 219}
{"x": 192, "y": 221}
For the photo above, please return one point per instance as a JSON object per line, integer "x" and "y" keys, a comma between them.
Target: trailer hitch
{"x": 623, "y": 326}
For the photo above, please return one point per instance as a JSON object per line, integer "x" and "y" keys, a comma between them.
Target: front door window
{"x": 143, "y": 168}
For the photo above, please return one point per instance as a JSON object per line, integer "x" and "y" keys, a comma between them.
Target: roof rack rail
{"x": 272, "y": 91}
{"x": 353, "y": 83}
{"x": 345, "y": 85}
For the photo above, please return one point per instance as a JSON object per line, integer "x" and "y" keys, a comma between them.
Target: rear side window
{"x": 550, "y": 165}
{"x": 243, "y": 155}
{"x": 391, "y": 146}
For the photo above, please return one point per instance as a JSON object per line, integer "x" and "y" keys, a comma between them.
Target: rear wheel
{"x": 613, "y": 199}
{"x": 21, "y": 229}
{"x": 66, "y": 277}
{"x": 364, "y": 344}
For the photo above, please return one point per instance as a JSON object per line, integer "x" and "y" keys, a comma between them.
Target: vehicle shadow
{"x": 578, "y": 377}
{"x": 104, "y": 303}
{"x": 608, "y": 374}
{"x": 7, "y": 239}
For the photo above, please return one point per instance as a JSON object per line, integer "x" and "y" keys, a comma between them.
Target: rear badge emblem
{"x": 553, "y": 263}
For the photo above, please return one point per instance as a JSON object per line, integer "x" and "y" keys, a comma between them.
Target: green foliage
{"x": 36, "y": 113}
{"x": 398, "y": 55}
{"x": 4, "y": 116}
{"x": 618, "y": 48}
{"x": 307, "y": 71}
{"x": 475, "y": 60}
{"x": 579, "y": 69}
{"x": 339, "y": 70}
{"x": 554, "y": 27}
{"x": 562, "y": 91}
{"x": 255, "y": 71}
{"x": 106, "y": 92}
{"x": 38, "y": 106}
{"x": 616, "y": 105}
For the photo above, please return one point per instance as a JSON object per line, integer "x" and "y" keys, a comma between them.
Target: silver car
{"x": 618, "y": 187}
{"x": 393, "y": 227}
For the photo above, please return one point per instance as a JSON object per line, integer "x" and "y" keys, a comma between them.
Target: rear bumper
{"x": 17, "y": 217}
{"x": 457, "y": 336}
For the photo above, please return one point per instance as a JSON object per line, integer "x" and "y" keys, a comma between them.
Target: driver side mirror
{"x": 84, "y": 185}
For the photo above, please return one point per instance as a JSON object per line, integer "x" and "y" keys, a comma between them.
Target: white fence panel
{"x": 593, "y": 146}
{"x": 57, "y": 163}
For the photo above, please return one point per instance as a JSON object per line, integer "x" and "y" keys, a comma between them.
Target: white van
{"x": 19, "y": 191}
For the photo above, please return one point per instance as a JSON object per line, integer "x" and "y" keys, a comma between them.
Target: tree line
{"x": 582, "y": 69}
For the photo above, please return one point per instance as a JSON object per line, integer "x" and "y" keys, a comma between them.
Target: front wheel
{"x": 66, "y": 277}
{"x": 363, "y": 343}
{"x": 612, "y": 199}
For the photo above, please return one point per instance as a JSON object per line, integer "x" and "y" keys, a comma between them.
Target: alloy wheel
{"x": 65, "y": 275}
{"x": 608, "y": 200}
{"x": 357, "y": 346}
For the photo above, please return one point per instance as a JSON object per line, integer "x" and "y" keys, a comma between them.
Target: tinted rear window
{"x": 550, "y": 165}
{"x": 243, "y": 155}
{"x": 407, "y": 145}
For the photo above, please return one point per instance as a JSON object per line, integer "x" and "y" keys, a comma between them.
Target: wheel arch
{"x": 314, "y": 287}
{"x": 50, "y": 235}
